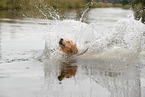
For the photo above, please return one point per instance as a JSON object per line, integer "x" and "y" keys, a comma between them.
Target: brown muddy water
{"x": 31, "y": 64}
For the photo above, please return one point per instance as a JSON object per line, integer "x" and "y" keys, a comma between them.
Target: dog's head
{"x": 67, "y": 46}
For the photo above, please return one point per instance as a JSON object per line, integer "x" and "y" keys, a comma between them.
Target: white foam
{"x": 126, "y": 33}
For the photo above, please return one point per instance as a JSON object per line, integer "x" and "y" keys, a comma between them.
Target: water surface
{"x": 31, "y": 64}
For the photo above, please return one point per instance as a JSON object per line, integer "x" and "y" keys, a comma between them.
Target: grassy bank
{"x": 69, "y": 4}
{"x": 107, "y": 5}
{"x": 29, "y": 4}
{"x": 139, "y": 10}
{"x": 51, "y": 8}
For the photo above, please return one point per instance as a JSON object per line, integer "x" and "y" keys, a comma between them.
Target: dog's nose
{"x": 61, "y": 39}
{"x": 60, "y": 42}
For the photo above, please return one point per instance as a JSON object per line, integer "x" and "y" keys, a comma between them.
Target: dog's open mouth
{"x": 61, "y": 43}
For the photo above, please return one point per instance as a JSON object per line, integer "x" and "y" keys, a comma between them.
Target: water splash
{"x": 52, "y": 13}
{"x": 84, "y": 14}
{"x": 87, "y": 9}
{"x": 126, "y": 33}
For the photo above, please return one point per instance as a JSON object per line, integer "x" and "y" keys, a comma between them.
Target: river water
{"x": 31, "y": 64}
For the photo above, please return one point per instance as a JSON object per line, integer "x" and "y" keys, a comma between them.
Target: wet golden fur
{"x": 67, "y": 69}
{"x": 68, "y": 47}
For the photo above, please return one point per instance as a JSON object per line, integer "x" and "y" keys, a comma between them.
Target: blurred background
{"x": 61, "y": 6}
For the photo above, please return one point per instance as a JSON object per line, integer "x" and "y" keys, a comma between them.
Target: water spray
{"x": 89, "y": 5}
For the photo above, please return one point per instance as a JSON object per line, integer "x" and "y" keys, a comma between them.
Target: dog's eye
{"x": 68, "y": 42}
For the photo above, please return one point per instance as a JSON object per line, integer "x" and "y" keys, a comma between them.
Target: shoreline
{"x": 65, "y": 6}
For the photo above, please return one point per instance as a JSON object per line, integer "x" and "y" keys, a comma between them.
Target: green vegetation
{"x": 124, "y": 2}
{"x": 69, "y": 4}
{"x": 51, "y": 8}
{"x": 10, "y": 4}
{"x": 29, "y": 4}
{"x": 139, "y": 9}
{"x": 106, "y": 5}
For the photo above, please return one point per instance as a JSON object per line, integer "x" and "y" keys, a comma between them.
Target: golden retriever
{"x": 68, "y": 47}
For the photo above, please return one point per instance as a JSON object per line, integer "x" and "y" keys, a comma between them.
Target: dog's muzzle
{"x": 60, "y": 42}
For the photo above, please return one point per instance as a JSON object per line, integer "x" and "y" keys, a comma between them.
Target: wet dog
{"x": 68, "y": 69}
{"x": 68, "y": 47}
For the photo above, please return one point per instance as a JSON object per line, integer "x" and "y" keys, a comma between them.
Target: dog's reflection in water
{"x": 68, "y": 70}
